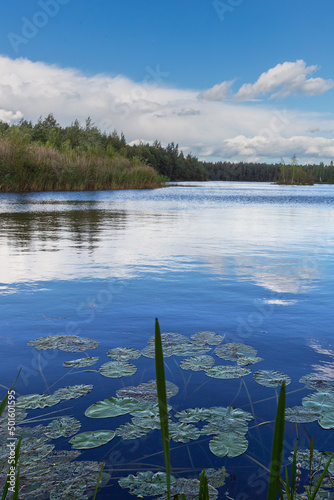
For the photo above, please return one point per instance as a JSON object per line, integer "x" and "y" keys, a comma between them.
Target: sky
{"x": 226, "y": 80}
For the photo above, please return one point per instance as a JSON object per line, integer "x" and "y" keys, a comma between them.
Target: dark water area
{"x": 253, "y": 262}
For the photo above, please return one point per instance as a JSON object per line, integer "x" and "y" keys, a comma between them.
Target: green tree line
{"x": 168, "y": 161}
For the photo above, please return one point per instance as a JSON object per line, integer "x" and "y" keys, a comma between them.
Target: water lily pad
{"x": 123, "y": 353}
{"x": 88, "y": 440}
{"x": 64, "y": 426}
{"x": 248, "y": 360}
{"x": 190, "y": 488}
{"x": 210, "y": 338}
{"x": 112, "y": 407}
{"x": 227, "y": 372}
{"x": 33, "y": 401}
{"x": 146, "y": 483}
{"x": 191, "y": 349}
{"x": 216, "y": 477}
{"x": 80, "y": 363}
{"x": 327, "y": 420}
{"x": 197, "y": 363}
{"x": 270, "y": 378}
{"x": 75, "y": 490}
{"x": 233, "y": 351}
{"x": 321, "y": 401}
{"x": 182, "y": 432}
{"x": 147, "y": 392}
{"x": 131, "y": 431}
{"x": 213, "y": 414}
{"x": 117, "y": 369}
{"x": 69, "y": 343}
{"x": 169, "y": 339}
{"x": 301, "y": 415}
{"x": 313, "y": 381}
{"x": 229, "y": 443}
{"x": 73, "y": 392}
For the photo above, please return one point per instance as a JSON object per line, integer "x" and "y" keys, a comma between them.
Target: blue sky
{"x": 214, "y": 76}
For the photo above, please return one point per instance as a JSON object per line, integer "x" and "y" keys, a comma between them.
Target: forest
{"x": 47, "y": 156}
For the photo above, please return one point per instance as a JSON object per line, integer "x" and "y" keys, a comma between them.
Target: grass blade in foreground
{"x": 17, "y": 475}
{"x": 203, "y": 487}
{"x": 277, "y": 451}
{"x": 162, "y": 401}
{"x": 99, "y": 479}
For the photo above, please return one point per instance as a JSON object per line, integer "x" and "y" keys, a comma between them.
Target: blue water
{"x": 252, "y": 261}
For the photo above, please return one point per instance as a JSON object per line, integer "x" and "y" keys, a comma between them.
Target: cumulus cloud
{"x": 219, "y": 92}
{"x": 147, "y": 111}
{"x": 283, "y": 80}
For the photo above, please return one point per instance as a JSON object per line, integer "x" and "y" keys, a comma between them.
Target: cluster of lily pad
{"x": 225, "y": 427}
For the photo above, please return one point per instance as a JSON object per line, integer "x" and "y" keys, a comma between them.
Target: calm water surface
{"x": 251, "y": 261}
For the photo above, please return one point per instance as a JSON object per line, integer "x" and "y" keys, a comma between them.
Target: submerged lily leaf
{"x": 73, "y": 392}
{"x": 112, "y": 407}
{"x": 210, "y": 338}
{"x": 233, "y": 351}
{"x": 313, "y": 381}
{"x": 270, "y": 378}
{"x": 197, "y": 363}
{"x": 321, "y": 401}
{"x": 301, "y": 415}
{"x": 147, "y": 392}
{"x": 117, "y": 369}
{"x": 75, "y": 490}
{"x": 123, "y": 353}
{"x": 88, "y": 440}
{"x": 64, "y": 426}
{"x": 327, "y": 420}
{"x": 227, "y": 372}
{"x": 213, "y": 414}
{"x": 69, "y": 343}
{"x": 33, "y": 401}
{"x": 216, "y": 477}
{"x": 146, "y": 483}
{"x": 229, "y": 443}
{"x": 80, "y": 363}
{"x": 190, "y": 488}
{"x": 182, "y": 432}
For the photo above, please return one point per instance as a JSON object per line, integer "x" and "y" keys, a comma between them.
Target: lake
{"x": 252, "y": 262}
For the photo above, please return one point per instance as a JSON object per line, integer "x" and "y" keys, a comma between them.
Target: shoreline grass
{"x": 27, "y": 167}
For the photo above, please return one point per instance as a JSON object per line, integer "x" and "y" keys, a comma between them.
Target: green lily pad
{"x": 169, "y": 339}
{"x": 146, "y": 483}
{"x": 301, "y": 415}
{"x": 73, "y": 392}
{"x": 80, "y": 363}
{"x": 112, "y": 407}
{"x": 131, "y": 431}
{"x": 191, "y": 349}
{"x": 69, "y": 343}
{"x": 117, "y": 369}
{"x": 327, "y": 420}
{"x": 270, "y": 378}
{"x": 190, "y": 488}
{"x": 183, "y": 433}
{"x": 227, "y": 372}
{"x": 213, "y": 414}
{"x": 197, "y": 363}
{"x": 210, "y": 338}
{"x": 147, "y": 392}
{"x": 248, "y": 360}
{"x": 216, "y": 477}
{"x": 88, "y": 440}
{"x": 228, "y": 443}
{"x": 321, "y": 401}
{"x": 233, "y": 351}
{"x": 73, "y": 491}
{"x": 123, "y": 353}
{"x": 33, "y": 401}
{"x": 313, "y": 381}
{"x": 62, "y": 427}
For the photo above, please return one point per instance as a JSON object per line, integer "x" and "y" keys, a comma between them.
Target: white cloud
{"x": 283, "y": 80}
{"x": 143, "y": 111}
{"x": 218, "y": 92}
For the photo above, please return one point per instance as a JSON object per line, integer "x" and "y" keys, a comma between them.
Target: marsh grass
{"x": 28, "y": 167}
